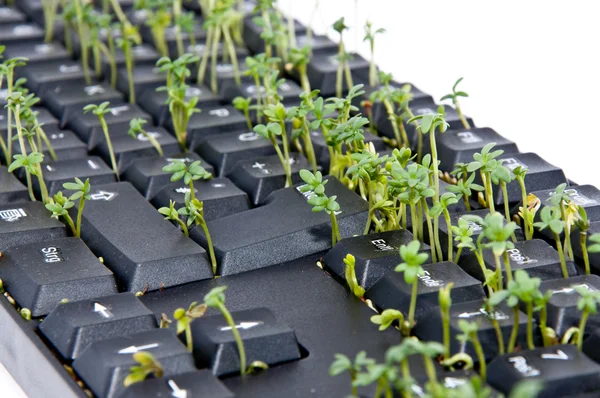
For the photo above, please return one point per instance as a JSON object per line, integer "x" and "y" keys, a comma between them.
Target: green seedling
{"x": 194, "y": 211}
{"x": 350, "y": 274}
{"x": 343, "y": 364}
{"x": 498, "y": 233}
{"x": 343, "y": 57}
{"x": 588, "y": 305}
{"x": 178, "y": 36}
{"x": 172, "y": 214}
{"x": 185, "y": 318}
{"x": 447, "y": 199}
{"x": 388, "y": 317}
{"x": 410, "y": 266}
{"x": 243, "y": 105}
{"x": 7, "y": 71}
{"x": 454, "y": 97}
{"x": 301, "y": 125}
{"x": 189, "y": 174}
{"x": 100, "y": 111}
{"x": 519, "y": 173}
{"x": 136, "y": 128}
{"x": 216, "y": 299}
{"x": 527, "y": 213}
{"x": 320, "y": 201}
{"x": 469, "y": 334}
{"x": 445, "y": 302}
{"x": 98, "y": 23}
{"x": 501, "y": 176}
{"x": 25, "y": 313}
{"x": 50, "y": 8}
{"x": 463, "y": 235}
{"x": 299, "y": 59}
{"x": 277, "y": 116}
{"x": 69, "y": 16}
{"x": 550, "y": 218}
{"x": 583, "y": 225}
{"x": 594, "y": 247}
{"x": 129, "y": 37}
{"x": 370, "y": 37}
{"x": 148, "y": 365}
{"x": 83, "y": 38}
{"x": 158, "y": 20}
{"x": 568, "y": 214}
{"x": 388, "y": 96}
{"x": 490, "y": 309}
{"x": 541, "y": 305}
{"x": 486, "y": 163}
{"x": 59, "y": 205}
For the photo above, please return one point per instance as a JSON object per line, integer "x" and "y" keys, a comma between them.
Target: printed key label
{"x": 521, "y": 365}
{"x": 381, "y": 245}
{"x": 468, "y": 137}
{"x": 11, "y": 215}
{"x": 518, "y": 257}
{"x": 427, "y": 280}
{"x": 52, "y": 254}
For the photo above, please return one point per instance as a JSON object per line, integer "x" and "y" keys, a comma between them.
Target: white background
{"x": 531, "y": 68}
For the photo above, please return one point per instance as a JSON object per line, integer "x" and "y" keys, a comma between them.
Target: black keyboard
{"x": 181, "y": 217}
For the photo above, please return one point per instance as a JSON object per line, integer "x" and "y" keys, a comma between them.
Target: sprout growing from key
{"x": 445, "y": 302}
{"x": 486, "y": 163}
{"x": 550, "y": 218}
{"x": 158, "y": 20}
{"x": 136, "y": 127}
{"x": 298, "y": 58}
{"x": 446, "y": 200}
{"x": 50, "y": 8}
{"x": 172, "y": 214}
{"x": 243, "y": 105}
{"x": 388, "y": 317}
{"x": 185, "y": 318}
{"x": 525, "y": 212}
{"x": 216, "y": 299}
{"x": 588, "y": 305}
{"x": 350, "y": 275}
{"x": 343, "y": 69}
{"x": 469, "y": 334}
{"x": 583, "y": 225}
{"x": 148, "y": 365}
{"x": 320, "y": 201}
{"x": 343, "y": 364}
{"x": 189, "y": 174}
{"x": 454, "y": 97}
{"x": 83, "y": 38}
{"x": 129, "y": 37}
{"x": 194, "y": 211}
{"x": 100, "y": 111}
{"x": 370, "y": 37}
{"x": 7, "y": 71}
{"x": 411, "y": 267}
{"x": 60, "y": 204}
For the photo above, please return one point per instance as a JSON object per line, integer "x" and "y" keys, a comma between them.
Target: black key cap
{"x": 252, "y": 32}
{"x": 20, "y": 33}
{"x": 200, "y": 384}
{"x": 259, "y": 177}
{"x": 453, "y": 381}
{"x": 563, "y": 370}
{"x": 137, "y": 244}
{"x": 147, "y": 174}
{"x": 43, "y": 115}
{"x": 87, "y": 125}
{"x": 288, "y": 91}
{"x": 430, "y": 327}
{"x": 36, "y": 52}
{"x": 225, "y": 74}
{"x": 319, "y": 44}
{"x": 10, "y": 16}
{"x": 39, "y": 275}
{"x": 222, "y": 53}
{"x": 562, "y": 307}
{"x": 284, "y": 229}
{"x": 226, "y": 150}
{"x": 594, "y": 258}
{"x": 31, "y": 8}
{"x": 374, "y": 254}
{"x": 535, "y": 256}
{"x": 220, "y": 196}
{"x": 65, "y": 144}
{"x": 212, "y": 121}
{"x": 61, "y": 171}
{"x": 27, "y": 222}
{"x": 105, "y": 364}
{"x": 143, "y": 54}
{"x": 265, "y": 339}
{"x": 322, "y": 150}
{"x": 72, "y": 326}
{"x": 155, "y": 102}
{"x": 322, "y": 72}
{"x": 65, "y": 98}
{"x": 145, "y": 77}
{"x": 170, "y": 37}
{"x": 391, "y": 291}
{"x": 127, "y": 149}
{"x": 11, "y": 189}
{"x": 41, "y": 76}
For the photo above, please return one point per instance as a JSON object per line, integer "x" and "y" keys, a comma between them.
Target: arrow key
{"x": 200, "y": 384}
{"x": 72, "y": 326}
{"x": 104, "y": 364}
{"x": 265, "y": 339}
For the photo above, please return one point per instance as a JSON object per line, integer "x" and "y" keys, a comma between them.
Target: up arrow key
{"x": 103, "y": 195}
{"x": 558, "y": 355}
{"x": 177, "y": 392}
{"x": 102, "y": 310}
{"x": 242, "y": 325}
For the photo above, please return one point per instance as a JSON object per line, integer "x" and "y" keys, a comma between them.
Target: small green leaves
{"x": 589, "y": 299}
{"x": 215, "y": 297}
{"x": 170, "y": 212}
{"x": 595, "y": 247}
{"x": 387, "y": 318}
{"x": 339, "y": 25}
{"x": 59, "y": 205}
{"x": 29, "y": 162}
{"x": 314, "y": 182}
{"x": 148, "y": 365}
{"x": 468, "y": 329}
{"x": 350, "y": 274}
{"x": 412, "y": 261}
{"x": 80, "y": 189}
{"x": 550, "y": 218}
{"x": 98, "y": 110}
{"x": 185, "y": 317}
{"x": 192, "y": 173}
{"x": 455, "y": 93}
{"x": 341, "y": 364}
{"x": 136, "y": 126}
{"x": 430, "y": 122}
{"x": 269, "y": 132}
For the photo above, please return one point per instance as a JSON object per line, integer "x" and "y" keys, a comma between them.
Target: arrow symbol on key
{"x": 103, "y": 195}
{"x": 469, "y": 314}
{"x": 102, "y": 310}
{"x": 133, "y": 349}
{"x": 242, "y": 325}
{"x": 177, "y": 392}
{"x": 558, "y": 355}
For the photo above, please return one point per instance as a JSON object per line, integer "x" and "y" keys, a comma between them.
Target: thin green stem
{"x": 129, "y": 66}
{"x": 211, "y": 249}
{"x": 79, "y": 215}
{"x": 413, "y": 303}
{"x": 480, "y": 355}
{"x": 450, "y": 238}
{"x": 515, "y": 330}
{"x": 183, "y": 226}
{"x": 111, "y": 152}
{"x": 497, "y": 330}
{"x": 563, "y": 263}
{"x": 213, "y": 61}
{"x": 236, "y": 336}
{"x": 188, "y": 338}
{"x": 584, "y": 251}
{"x": 42, "y": 135}
{"x": 507, "y": 267}
{"x": 83, "y": 42}
{"x": 582, "y": 322}
{"x": 526, "y": 222}
{"x": 286, "y": 155}
{"x": 530, "y": 344}
{"x": 335, "y": 230}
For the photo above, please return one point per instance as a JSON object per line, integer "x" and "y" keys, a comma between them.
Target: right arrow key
{"x": 265, "y": 339}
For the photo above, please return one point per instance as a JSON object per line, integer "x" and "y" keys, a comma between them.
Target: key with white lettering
{"x": 147, "y": 174}
{"x": 145, "y": 77}
{"x": 535, "y": 256}
{"x": 11, "y": 189}
{"x": 39, "y": 275}
{"x": 222, "y": 52}
{"x": 430, "y": 327}
{"x": 104, "y": 365}
{"x": 65, "y": 143}
{"x": 127, "y": 149}
{"x": 288, "y": 91}
{"x": 220, "y": 196}
{"x": 374, "y": 255}
{"x": 261, "y": 176}
{"x": 42, "y": 75}
{"x": 225, "y": 74}
{"x": 27, "y": 222}
{"x": 87, "y": 125}
{"x": 143, "y": 54}
{"x": 391, "y": 291}
{"x": 212, "y": 121}
{"x": 283, "y": 229}
{"x": 72, "y": 326}
{"x": 200, "y": 384}
{"x": 265, "y": 339}
{"x": 563, "y": 370}
{"x": 137, "y": 244}
{"x": 252, "y": 33}
{"x": 37, "y": 52}
{"x": 21, "y": 33}
{"x": 322, "y": 71}
{"x": 594, "y": 258}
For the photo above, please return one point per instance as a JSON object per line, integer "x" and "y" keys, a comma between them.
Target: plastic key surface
{"x": 65, "y": 143}
{"x": 200, "y": 384}
{"x": 43, "y": 75}
{"x": 61, "y": 171}
{"x": 11, "y": 189}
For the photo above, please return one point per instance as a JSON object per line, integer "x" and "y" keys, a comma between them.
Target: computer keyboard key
{"x": 43, "y": 75}
{"x": 11, "y": 189}
{"x": 65, "y": 143}
{"x": 225, "y": 73}
{"x": 288, "y": 91}
{"x": 562, "y": 369}
{"x": 319, "y": 44}
{"x": 283, "y": 229}
{"x": 430, "y": 327}
{"x": 143, "y": 54}
{"x": 147, "y": 174}
{"x": 87, "y": 125}
{"x": 61, "y": 171}
{"x": 586, "y": 196}
{"x": 155, "y": 102}
{"x": 265, "y": 339}
{"x": 9, "y": 15}
{"x": 392, "y": 292}
{"x": 226, "y": 150}
{"x": 27, "y": 222}
{"x": 37, "y": 52}
{"x": 222, "y": 53}
{"x": 562, "y": 307}
{"x": 374, "y": 254}
{"x": 261, "y": 176}
{"x": 594, "y": 258}
{"x": 535, "y": 256}
{"x": 454, "y": 380}
{"x": 43, "y": 116}
{"x": 137, "y": 244}
{"x": 21, "y": 33}
{"x": 220, "y": 196}
{"x": 322, "y": 72}
{"x": 39, "y": 275}
{"x": 128, "y": 149}
{"x": 145, "y": 77}
{"x": 72, "y": 326}
{"x": 64, "y": 98}
{"x": 105, "y": 364}
{"x": 200, "y": 384}
{"x": 252, "y": 32}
